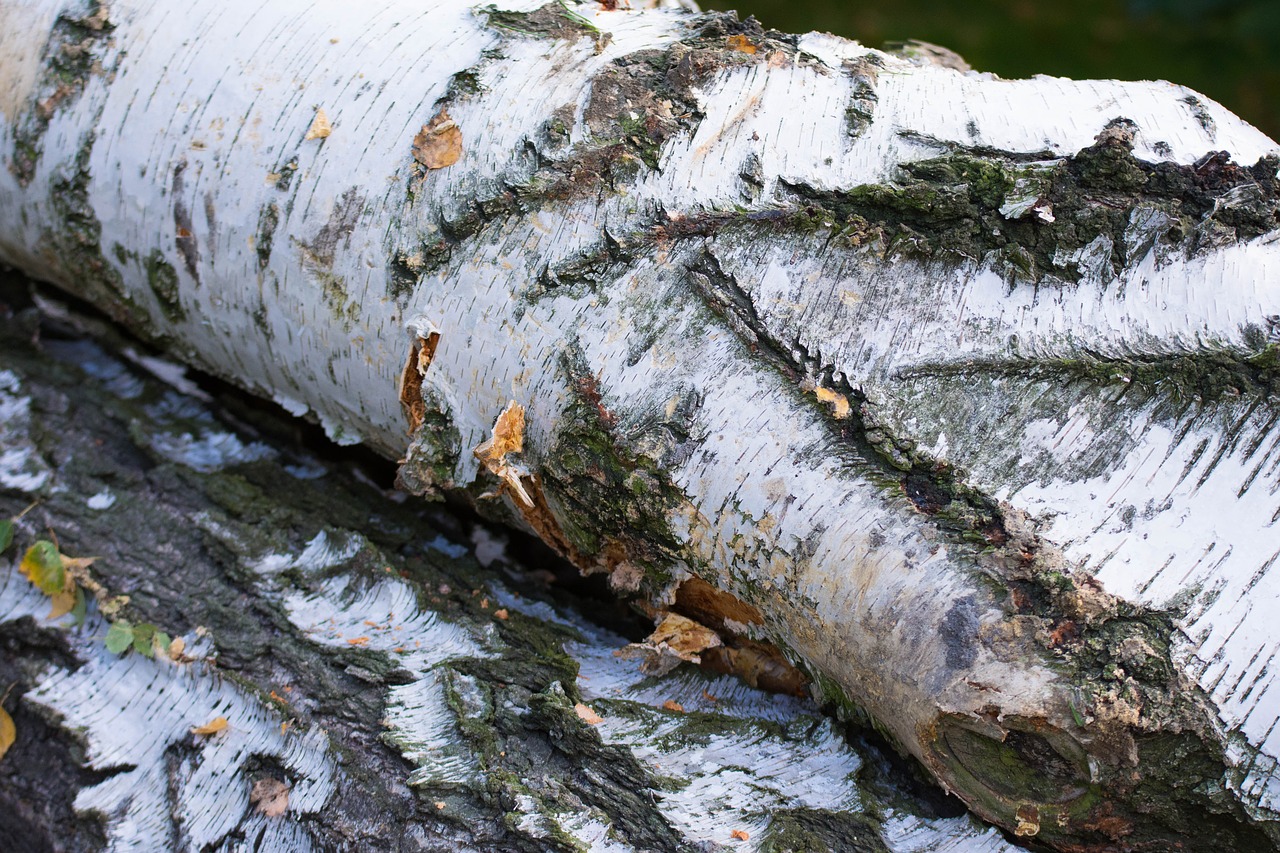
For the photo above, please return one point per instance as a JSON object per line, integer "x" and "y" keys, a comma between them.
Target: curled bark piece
{"x": 495, "y": 452}
{"x": 1029, "y": 550}
{"x": 676, "y": 639}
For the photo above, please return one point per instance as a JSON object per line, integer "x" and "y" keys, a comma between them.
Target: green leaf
{"x": 119, "y": 637}
{"x": 6, "y": 534}
{"x": 79, "y": 608}
{"x": 142, "y": 636}
{"x": 160, "y": 643}
{"x": 42, "y": 565}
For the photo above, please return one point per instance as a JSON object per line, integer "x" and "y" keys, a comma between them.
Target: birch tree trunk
{"x": 945, "y": 398}
{"x": 390, "y": 680}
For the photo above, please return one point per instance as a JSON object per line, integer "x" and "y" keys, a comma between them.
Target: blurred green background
{"x": 1226, "y": 49}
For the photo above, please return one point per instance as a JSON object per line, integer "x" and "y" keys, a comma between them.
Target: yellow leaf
{"x": 177, "y": 647}
{"x": 62, "y": 603}
{"x": 8, "y": 732}
{"x": 212, "y": 727}
{"x": 42, "y": 564}
{"x": 439, "y": 143}
{"x": 742, "y": 44}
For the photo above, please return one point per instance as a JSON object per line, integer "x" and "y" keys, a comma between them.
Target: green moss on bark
{"x": 73, "y": 242}
{"x": 432, "y": 455}
{"x": 162, "y": 278}
{"x": 553, "y": 21}
{"x": 607, "y": 496}
{"x": 817, "y": 831}
{"x": 1035, "y": 219}
{"x": 71, "y": 56}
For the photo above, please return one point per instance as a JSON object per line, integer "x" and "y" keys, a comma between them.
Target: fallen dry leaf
{"x": 271, "y": 796}
{"x": 502, "y": 614}
{"x": 8, "y": 732}
{"x": 742, "y": 44}
{"x": 320, "y": 127}
{"x": 62, "y": 603}
{"x": 740, "y": 834}
{"x": 177, "y": 647}
{"x": 212, "y": 727}
{"x": 76, "y": 565}
{"x": 672, "y": 705}
{"x": 439, "y": 143}
{"x": 359, "y": 641}
{"x": 588, "y": 716}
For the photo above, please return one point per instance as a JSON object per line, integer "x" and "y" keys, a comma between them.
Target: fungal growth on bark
{"x": 944, "y": 399}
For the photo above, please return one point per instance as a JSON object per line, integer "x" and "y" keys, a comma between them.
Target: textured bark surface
{"x": 409, "y": 697}
{"x": 945, "y": 398}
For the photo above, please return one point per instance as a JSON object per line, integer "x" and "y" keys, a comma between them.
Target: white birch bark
{"x": 959, "y": 386}
{"x": 334, "y": 628}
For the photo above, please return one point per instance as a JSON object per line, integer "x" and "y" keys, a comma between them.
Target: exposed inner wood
{"x": 415, "y": 370}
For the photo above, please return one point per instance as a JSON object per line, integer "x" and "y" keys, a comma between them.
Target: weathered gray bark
{"x": 193, "y": 506}
{"x": 944, "y": 398}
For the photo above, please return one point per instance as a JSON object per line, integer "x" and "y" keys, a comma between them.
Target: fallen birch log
{"x": 942, "y": 397}
{"x": 343, "y": 670}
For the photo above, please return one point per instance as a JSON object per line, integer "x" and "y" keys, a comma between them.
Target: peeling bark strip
{"x": 963, "y": 385}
